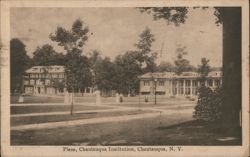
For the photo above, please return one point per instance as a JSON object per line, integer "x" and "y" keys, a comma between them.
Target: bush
{"x": 208, "y": 106}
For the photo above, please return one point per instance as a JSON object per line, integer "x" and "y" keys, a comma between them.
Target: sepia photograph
{"x": 136, "y": 78}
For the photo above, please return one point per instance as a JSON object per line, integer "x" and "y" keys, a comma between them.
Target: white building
{"x": 169, "y": 83}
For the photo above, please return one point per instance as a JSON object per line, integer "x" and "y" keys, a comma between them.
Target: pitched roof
{"x": 163, "y": 75}
{"x": 49, "y": 69}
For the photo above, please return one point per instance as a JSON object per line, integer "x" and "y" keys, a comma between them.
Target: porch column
{"x": 191, "y": 87}
{"x": 177, "y": 85}
{"x": 184, "y": 87}
{"x": 171, "y": 86}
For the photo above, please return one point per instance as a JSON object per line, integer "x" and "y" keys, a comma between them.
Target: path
{"x": 97, "y": 120}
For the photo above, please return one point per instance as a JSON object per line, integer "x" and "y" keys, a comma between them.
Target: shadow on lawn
{"x": 202, "y": 133}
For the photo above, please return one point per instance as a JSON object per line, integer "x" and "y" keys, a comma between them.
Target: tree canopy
{"x": 19, "y": 62}
{"x": 77, "y": 66}
{"x": 46, "y": 55}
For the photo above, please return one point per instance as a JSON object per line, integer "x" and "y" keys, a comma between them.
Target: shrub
{"x": 208, "y": 106}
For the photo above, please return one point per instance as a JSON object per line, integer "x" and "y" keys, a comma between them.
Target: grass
{"x": 167, "y": 130}
{"x": 56, "y": 118}
{"x": 51, "y": 108}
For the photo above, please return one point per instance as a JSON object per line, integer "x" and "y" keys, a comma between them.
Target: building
{"x": 44, "y": 80}
{"x": 169, "y": 83}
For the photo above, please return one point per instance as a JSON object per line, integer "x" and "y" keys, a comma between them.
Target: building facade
{"x": 170, "y": 84}
{"x": 48, "y": 80}
{"x": 44, "y": 80}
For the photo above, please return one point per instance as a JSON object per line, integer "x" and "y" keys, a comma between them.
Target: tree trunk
{"x": 231, "y": 84}
{"x": 72, "y": 102}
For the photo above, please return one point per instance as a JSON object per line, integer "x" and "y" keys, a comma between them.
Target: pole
{"x": 155, "y": 92}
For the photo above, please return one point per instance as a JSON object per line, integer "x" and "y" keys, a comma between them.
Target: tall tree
{"x": 76, "y": 66}
{"x": 134, "y": 63}
{"x": 144, "y": 53}
{"x": 19, "y": 62}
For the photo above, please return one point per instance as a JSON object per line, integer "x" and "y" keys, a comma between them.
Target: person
{"x": 121, "y": 98}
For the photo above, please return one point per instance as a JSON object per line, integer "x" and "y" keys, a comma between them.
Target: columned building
{"x": 169, "y": 83}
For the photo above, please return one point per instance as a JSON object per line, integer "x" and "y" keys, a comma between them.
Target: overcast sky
{"x": 116, "y": 30}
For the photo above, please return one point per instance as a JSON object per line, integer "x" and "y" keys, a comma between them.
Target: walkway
{"x": 98, "y": 120}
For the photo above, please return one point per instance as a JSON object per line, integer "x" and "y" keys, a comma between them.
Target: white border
{"x": 193, "y": 151}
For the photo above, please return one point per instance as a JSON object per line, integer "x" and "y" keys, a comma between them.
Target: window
{"x": 181, "y": 83}
{"x": 146, "y": 83}
{"x": 26, "y": 82}
{"x": 210, "y": 83}
{"x": 174, "y": 88}
{"x": 32, "y": 82}
{"x": 217, "y": 83}
{"x": 187, "y": 87}
{"x": 47, "y": 82}
{"x": 161, "y": 83}
{"x": 194, "y": 87}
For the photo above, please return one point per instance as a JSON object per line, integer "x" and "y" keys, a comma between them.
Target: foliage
{"x": 134, "y": 63}
{"x": 209, "y": 105}
{"x": 77, "y": 67}
{"x": 47, "y": 56}
{"x": 204, "y": 69}
{"x": 175, "y": 15}
{"x": 165, "y": 67}
{"x": 182, "y": 64}
{"x": 103, "y": 72}
{"x": 77, "y": 71}
{"x": 19, "y": 62}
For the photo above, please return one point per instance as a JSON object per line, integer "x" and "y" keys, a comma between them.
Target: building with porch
{"x": 170, "y": 84}
{"x": 47, "y": 80}
{"x": 44, "y": 80}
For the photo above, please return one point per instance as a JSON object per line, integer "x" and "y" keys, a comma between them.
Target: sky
{"x": 116, "y": 30}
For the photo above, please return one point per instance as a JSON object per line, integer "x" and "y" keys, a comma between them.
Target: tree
{"x": 203, "y": 70}
{"x": 230, "y": 18}
{"x": 47, "y": 56}
{"x": 143, "y": 54}
{"x": 182, "y": 64}
{"x": 95, "y": 62}
{"x": 134, "y": 63}
{"x": 19, "y": 62}
{"x": 165, "y": 67}
{"x": 105, "y": 76}
{"x": 76, "y": 67}
{"x": 128, "y": 68}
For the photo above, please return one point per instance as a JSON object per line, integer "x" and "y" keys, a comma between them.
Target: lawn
{"x": 166, "y": 130}
{"x": 51, "y": 108}
{"x": 56, "y": 118}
